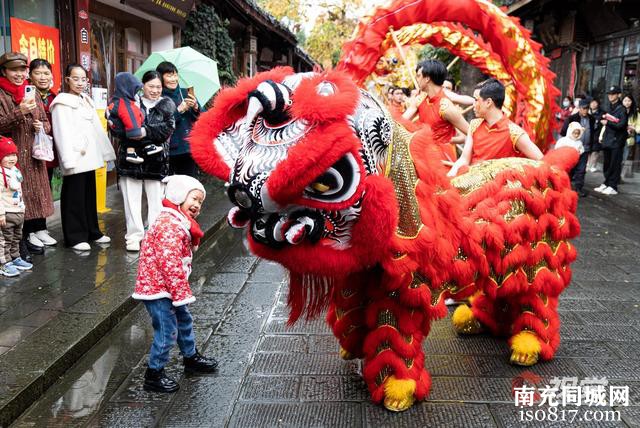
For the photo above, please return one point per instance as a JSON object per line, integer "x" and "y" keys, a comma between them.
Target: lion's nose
{"x": 242, "y": 198}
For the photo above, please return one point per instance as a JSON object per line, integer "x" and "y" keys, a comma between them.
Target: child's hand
{"x": 3, "y": 220}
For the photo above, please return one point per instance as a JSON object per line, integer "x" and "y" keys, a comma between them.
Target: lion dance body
{"x": 362, "y": 215}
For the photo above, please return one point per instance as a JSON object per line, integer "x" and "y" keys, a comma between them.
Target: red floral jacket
{"x": 165, "y": 260}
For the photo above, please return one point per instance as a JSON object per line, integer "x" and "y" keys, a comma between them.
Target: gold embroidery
{"x": 445, "y": 104}
{"x": 483, "y": 172}
{"x": 474, "y": 125}
{"x": 515, "y": 132}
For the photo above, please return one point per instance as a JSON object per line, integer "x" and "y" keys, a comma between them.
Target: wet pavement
{"x": 271, "y": 375}
{"x": 52, "y": 315}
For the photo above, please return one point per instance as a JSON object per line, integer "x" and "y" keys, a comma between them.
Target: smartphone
{"x": 29, "y": 91}
{"x": 191, "y": 92}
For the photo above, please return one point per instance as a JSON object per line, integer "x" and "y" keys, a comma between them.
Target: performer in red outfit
{"x": 492, "y": 135}
{"x": 437, "y": 110}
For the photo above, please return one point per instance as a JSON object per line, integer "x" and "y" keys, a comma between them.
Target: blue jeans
{"x": 171, "y": 324}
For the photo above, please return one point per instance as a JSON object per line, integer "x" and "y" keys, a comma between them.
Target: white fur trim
{"x": 184, "y": 301}
{"x": 157, "y": 296}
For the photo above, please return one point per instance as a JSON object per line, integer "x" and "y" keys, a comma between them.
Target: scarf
{"x": 149, "y": 104}
{"x": 194, "y": 228}
{"x": 16, "y": 91}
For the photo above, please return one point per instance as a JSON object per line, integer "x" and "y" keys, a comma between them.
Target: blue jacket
{"x": 184, "y": 122}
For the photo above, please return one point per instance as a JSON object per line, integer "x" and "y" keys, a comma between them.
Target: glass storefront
{"x": 607, "y": 63}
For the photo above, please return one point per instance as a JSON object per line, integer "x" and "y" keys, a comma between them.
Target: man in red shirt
{"x": 492, "y": 135}
{"x": 396, "y": 104}
{"x": 437, "y": 110}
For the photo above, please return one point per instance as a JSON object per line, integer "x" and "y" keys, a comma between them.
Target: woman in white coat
{"x": 83, "y": 147}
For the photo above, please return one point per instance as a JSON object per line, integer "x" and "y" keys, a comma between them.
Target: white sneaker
{"x": 33, "y": 240}
{"x": 45, "y": 238}
{"x": 449, "y": 302}
{"x": 593, "y": 169}
{"x": 609, "y": 191}
{"x": 83, "y": 246}
{"x": 133, "y": 246}
{"x": 103, "y": 240}
{"x": 600, "y": 188}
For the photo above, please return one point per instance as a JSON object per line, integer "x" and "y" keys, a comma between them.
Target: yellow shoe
{"x": 398, "y": 393}
{"x": 525, "y": 349}
{"x": 346, "y": 355}
{"x": 464, "y": 322}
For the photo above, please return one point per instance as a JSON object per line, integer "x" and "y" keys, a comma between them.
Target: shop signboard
{"x": 174, "y": 11}
{"x": 38, "y": 41}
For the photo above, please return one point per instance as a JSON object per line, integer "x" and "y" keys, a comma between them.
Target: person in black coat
{"x": 589, "y": 137}
{"x": 613, "y": 142}
{"x": 158, "y": 126}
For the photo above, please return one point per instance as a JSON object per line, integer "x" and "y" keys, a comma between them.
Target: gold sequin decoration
{"x": 383, "y": 375}
{"x": 483, "y": 172}
{"x": 383, "y": 346}
{"x": 386, "y": 317}
{"x": 402, "y": 173}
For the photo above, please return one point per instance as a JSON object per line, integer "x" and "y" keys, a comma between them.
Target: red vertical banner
{"x": 83, "y": 31}
{"x": 37, "y": 41}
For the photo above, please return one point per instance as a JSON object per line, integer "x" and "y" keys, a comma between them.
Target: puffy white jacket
{"x": 81, "y": 142}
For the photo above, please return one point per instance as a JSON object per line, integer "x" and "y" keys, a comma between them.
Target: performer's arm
{"x": 412, "y": 108}
{"x": 465, "y": 157}
{"x": 463, "y": 100}
{"x": 525, "y": 146}
{"x": 454, "y": 117}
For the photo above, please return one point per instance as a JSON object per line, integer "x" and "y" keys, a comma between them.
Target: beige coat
{"x": 81, "y": 142}
{"x": 36, "y": 190}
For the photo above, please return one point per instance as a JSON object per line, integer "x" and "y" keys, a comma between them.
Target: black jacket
{"x": 588, "y": 146}
{"x": 615, "y": 134}
{"x": 159, "y": 124}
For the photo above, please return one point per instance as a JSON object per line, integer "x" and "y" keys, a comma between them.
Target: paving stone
{"x": 38, "y": 318}
{"x": 465, "y": 345}
{"x": 470, "y": 389}
{"x": 132, "y": 414}
{"x": 574, "y": 348}
{"x": 225, "y": 283}
{"x": 202, "y": 401}
{"x": 494, "y": 367}
{"x": 282, "y": 343}
{"x": 622, "y": 306}
{"x": 274, "y": 364}
{"x": 3, "y": 349}
{"x": 577, "y": 305}
{"x": 333, "y": 388}
{"x": 508, "y": 415}
{"x": 250, "y": 309}
{"x": 611, "y": 318}
{"x": 570, "y": 317}
{"x": 266, "y": 271}
{"x": 13, "y": 335}
{"x": 626, "y": 369}
{"x": 451, "y": 365}
{"x": 630, "y": 415}
{"x": 280, "y": 311}
{"x": 626, "y": 349}
{"x": 613, "y": 333}
{"x": 209, "y": 308}
{"x": 323, "y": 344}
{"x": 297, "y": 415}
{"x": 430, "y": 415}
{"x": 237, "y": 264}
{"x": 233, "y": 353}
{"x": 316, "y": 326}
{"x": 270, "y": 388}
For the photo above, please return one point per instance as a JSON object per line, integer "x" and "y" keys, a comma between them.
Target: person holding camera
{"x": 22, "y": 116}
{"x": 187, "y": 112}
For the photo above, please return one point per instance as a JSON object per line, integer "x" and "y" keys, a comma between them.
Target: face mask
{"x": 565, "y": 104}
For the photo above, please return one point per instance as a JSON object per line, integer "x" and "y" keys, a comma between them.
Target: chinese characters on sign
{"x": 37, "y": 41}
{"x": 570, "y": 392}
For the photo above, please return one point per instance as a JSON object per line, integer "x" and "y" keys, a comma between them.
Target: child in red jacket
{"x": 163, "y": 281}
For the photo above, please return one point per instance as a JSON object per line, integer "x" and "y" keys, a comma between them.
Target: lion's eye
{"x": 336, "y": 184}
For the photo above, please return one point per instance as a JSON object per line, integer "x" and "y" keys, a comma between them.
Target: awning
{"x": 174, "y": 11}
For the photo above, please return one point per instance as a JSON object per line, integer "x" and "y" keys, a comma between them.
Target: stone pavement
{"x": 271, "y": 375}
{"x": 52, "y": 315}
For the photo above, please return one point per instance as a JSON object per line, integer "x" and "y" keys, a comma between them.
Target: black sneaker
{"x": 32, "y": 249}
{"x": 133, "y": 158}
{"x": 24, "y": 251}
{"x": 158, "y": 381}
{"x": 199, "y": 364}
{"x": 152, "y": 149}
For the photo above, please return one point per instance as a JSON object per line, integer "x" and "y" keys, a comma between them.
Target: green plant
{"x": 207, "y": 33}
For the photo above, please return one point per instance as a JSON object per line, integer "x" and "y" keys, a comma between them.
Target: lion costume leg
{"x": 346, "y": 316}
{"x": 536, "y": 329}
{"x": 398, "y": 319}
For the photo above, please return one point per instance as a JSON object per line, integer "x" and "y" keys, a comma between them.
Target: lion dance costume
{"x": 363, "y": 216}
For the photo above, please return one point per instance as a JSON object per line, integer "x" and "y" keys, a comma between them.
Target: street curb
{"x": 30, "y": 393}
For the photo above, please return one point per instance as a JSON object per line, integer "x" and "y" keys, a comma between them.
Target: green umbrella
{"x": 195, "y": 70}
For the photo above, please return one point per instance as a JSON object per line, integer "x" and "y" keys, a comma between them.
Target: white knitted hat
{"x": 179, "y": 186}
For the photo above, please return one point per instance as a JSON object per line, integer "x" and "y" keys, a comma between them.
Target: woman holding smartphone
{"x": 187, "y": 112}
{"x": 83, "y": 147}
{"x": 22, "y": 115}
